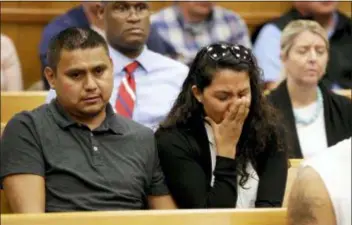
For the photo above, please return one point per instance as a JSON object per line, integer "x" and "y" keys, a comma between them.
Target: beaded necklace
{"x": 315, "y": 115}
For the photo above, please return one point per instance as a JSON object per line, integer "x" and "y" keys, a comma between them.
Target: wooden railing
{"x": 345, "y": 92}
{"x": 154, "y": 217}
{"x": 15, "y": 102}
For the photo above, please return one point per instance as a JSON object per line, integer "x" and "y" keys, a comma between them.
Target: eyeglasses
{"x": 124, "y": 9}
{"x": 219, "y": 51}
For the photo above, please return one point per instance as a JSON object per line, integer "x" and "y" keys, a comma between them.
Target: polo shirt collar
{"x": 64, "y": 120}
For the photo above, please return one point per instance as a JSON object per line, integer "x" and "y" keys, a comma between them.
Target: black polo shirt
{"x": 113, "y": 167}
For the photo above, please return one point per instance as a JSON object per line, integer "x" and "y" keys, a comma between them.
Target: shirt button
{"x": 91, "y": 134}
{"x": 95, "y": 148}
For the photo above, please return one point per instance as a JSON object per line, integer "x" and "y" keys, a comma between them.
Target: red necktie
{"x": 127, "y": 92}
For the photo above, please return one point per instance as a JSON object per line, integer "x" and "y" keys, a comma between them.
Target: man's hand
{"x": 161, "y": 202}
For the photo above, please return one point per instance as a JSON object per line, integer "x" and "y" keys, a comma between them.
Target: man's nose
{"x": 90, "y": 83}
{"x": 133, "y": 15}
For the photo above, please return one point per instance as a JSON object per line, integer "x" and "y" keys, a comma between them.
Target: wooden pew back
{"x": 291, "y": 176}
{"x": 5, "y": 207}
{"x": 15, "y": 102}
{"x": 2, "y": 128}
{"x": 154, "y": 217}
{"x": 344, "y": 92}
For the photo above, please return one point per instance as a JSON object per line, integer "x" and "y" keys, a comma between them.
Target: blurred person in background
{"x": 338, "y": 26}
{"x": 86, "y": 16}
{"x": 316, "y": 118}
{"x": 321, "y": 193}
{"x": 11, "y": 74}
{"x": 190, "y": 25}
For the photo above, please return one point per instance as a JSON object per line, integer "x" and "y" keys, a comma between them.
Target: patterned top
{"x": 11, "y": 72}
{"x": 187, "y": 39}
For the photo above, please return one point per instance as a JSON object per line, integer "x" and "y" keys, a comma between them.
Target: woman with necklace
{"x": 315, "y": 117}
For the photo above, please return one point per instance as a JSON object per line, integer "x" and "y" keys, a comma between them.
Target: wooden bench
{"x": 2, "y": 128}
{"x": 5, "y": 208}
{"x": 345, "y": 92}
{"x": 15, "y": 102}
{"x": 154, "y": 217}
{"x": 291, "y": 176}
{"x": 292, "y": 173}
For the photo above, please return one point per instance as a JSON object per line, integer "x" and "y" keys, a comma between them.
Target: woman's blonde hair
{"x": 295, "y": 28}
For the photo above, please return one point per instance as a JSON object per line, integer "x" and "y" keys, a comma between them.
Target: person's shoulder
{"x": 267, "y": 36}
{"x": 5, "y": 40}
{"x": 62, "y": 22}
{"x": 172, "y": 136}
{"x": 167, "y": 132}
{"x": 274, "y": 95}
{"x": 167, "y": 63}
{"x": 270, "y": 28}
{"x": 340, "y": 99}
{"x": 345, "y": 20}
{"x": 221, "y": 12}
{"x": 342, "y": 103}
{"x": 55, "y": 22}
{"x": 267, "y": 32}
{"x": 163, "y": 15}
{"x": 7, "y": 45}
{"x": 338, "y": 152}
{"x": 28, "y": 118}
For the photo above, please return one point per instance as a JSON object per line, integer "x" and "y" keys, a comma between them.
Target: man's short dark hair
{"x": 71, "y": 39}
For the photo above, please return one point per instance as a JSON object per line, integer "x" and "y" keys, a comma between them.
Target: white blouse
{"x": 312, "y": 138}
{"x": 333, "y": 165}
{"x": 245, "y": 197}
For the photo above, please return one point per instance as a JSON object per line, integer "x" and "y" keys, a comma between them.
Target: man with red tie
{"x": 75, "y": 153}
{"x": 145, "y": 83}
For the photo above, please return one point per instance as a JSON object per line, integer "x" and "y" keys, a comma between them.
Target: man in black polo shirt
{"x": 75, "y": 154}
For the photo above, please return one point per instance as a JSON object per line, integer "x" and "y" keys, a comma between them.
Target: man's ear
{"x": 197, "y": 93}
{"x": 283, "y": 57}
{"x": 50, "y": 76}
{"x": 101, "y": 8}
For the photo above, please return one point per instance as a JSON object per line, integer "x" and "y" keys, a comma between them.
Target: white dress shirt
{"x": 312, "y": 138}
{"x": 158, "y": 83}
{"x": 333, "y": 165}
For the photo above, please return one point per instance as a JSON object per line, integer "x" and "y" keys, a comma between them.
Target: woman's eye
{"x": 222, "y": 98}
{"x": 302, "y": 51}
{"x": 321, "y": 51}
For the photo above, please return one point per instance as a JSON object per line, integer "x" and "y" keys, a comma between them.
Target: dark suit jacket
{"x": 185, "y": 158}
{"x": 337, "y": 116}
